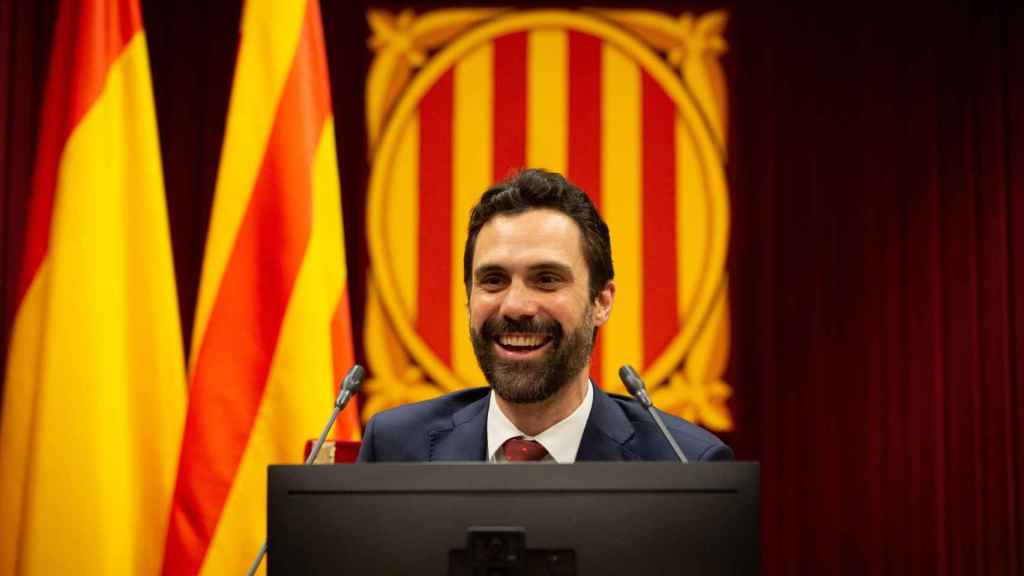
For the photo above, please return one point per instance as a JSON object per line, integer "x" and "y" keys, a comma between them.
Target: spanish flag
{"x": 94, "y": 396}
{"x": 272, "y": 336}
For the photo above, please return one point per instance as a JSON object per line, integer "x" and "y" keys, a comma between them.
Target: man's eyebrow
{"x": 552, "y": 267}
{"x": 484, "y": 269}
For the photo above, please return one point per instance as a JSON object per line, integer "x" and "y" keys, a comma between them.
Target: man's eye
{"x": 491, "y": 281}
{"x": 548, "y": 279}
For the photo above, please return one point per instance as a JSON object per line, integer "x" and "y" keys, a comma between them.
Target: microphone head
{"x": 631, "y": 379}
{"x": 354, "y": 379}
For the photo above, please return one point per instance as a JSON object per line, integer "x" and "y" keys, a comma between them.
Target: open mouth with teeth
{"x": 522, "y": 343}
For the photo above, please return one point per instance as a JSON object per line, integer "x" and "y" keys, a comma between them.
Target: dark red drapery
{"x": 877, "y": 267}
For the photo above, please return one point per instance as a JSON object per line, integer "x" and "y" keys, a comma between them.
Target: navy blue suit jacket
{"x": 454, "y": 428}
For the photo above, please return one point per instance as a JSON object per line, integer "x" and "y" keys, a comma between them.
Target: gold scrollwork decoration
{"x": 693, "y": 45}
{"x": 402, "y": 43}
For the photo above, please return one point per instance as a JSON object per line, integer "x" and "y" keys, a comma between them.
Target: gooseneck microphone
{"x": 349, "y": 386}
{"x": 636, "y": 387}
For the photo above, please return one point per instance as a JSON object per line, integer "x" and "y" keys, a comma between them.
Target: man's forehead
{"x": 545, "y": 223}
{"x": 533, "y": 236}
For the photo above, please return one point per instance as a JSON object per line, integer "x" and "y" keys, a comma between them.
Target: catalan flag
{"x": 94, "y": 396}
{"x": 272, "y": 335}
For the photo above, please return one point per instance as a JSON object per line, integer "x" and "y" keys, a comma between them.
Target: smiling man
{"x": 539, "y": 276}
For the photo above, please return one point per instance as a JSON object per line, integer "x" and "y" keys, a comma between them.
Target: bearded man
{"x": 539, "y": 276}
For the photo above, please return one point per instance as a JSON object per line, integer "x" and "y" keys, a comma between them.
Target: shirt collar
{"x": 561, "y": 440}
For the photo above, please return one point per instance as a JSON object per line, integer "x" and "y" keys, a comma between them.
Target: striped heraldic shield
{"x": 629, "y": 105}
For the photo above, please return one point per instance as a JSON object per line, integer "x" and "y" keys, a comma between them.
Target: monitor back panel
{"x": 635, "y": 518}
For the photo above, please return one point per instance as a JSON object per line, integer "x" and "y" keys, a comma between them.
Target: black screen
{"x": 616, "y": 518}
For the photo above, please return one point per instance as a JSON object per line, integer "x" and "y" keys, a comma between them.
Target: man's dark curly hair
{"x": 533, "y": 189}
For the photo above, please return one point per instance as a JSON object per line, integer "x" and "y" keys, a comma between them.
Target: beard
{"x": 537, "y": 379}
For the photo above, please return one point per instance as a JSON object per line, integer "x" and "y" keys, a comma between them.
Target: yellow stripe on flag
{"x": 547, "y": 98}
{"x": 693, "y": 229}
{"x": 327, "y": 242}
{"x": 109, "y": 376}
{"x": 472, "y": 158}
{"x": 19, "y": 413}
{"x": 270, "y": 34}
{"x": 621, "y": 148}
{"x": 402, "y": 219}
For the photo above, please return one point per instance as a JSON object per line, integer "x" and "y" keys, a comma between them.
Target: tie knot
{"x": 522, "y": 450}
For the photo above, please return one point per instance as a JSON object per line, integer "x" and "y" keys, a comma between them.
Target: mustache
{"x": 495, "y": 326}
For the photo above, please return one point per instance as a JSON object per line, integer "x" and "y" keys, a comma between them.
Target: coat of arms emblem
{"x": 630, "y": 105}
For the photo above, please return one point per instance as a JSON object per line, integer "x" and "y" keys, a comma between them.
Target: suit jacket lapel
{"x": 608, "y": 432}
{"x": 466, "y": 439}
{"x": 606, "y": 436}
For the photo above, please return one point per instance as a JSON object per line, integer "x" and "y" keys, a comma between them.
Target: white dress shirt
{"x": 561, "y": 440}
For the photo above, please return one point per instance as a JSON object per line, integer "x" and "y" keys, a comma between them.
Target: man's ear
{"x": 603, "y": 304}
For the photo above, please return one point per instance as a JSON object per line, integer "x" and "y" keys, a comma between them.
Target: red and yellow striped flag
{"x": 272, "y": 335}
{"x": 94, "y": 397}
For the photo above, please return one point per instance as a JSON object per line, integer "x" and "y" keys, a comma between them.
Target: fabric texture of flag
{"x": 94, "y": 397}
{"x": 272, "y": 334}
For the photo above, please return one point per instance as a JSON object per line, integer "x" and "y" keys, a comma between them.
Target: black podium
{"x": 585, "y": 518}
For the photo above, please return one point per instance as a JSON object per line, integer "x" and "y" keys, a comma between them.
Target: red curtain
{"x": 877, "y": 266}
{"x": 876, "y": 159}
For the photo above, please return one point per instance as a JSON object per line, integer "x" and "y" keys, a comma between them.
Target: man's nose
{"x": 519, "y": 301}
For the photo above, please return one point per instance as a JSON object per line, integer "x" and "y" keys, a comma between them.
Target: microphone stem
{"x": 636, "y": 387}
{"x": 259, "y": 558}
{"x": 664, "y": 430}
{"x": 343, "y": 397}
{"x": 342, "y": 401}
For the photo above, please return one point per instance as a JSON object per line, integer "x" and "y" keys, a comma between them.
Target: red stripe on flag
{"x": 347, "y": 425}
{"x": 509, "y": 104}
{"x": 660, "y": 312}
{"x": 88, "y": 38}
{"x": 585, "y": 113}
{"x": 585, "y": 130}
{"x": 435, "y": 243}
{"x": 234, "y": 358}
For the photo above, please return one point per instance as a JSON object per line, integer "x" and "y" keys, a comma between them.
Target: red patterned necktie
{"x": 522, "y": 450}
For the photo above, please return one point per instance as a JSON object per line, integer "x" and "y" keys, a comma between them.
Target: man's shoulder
{"x": 430, "y": 414}
{"x": 693, "y": 439}
{"x": 407, "y": 433}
